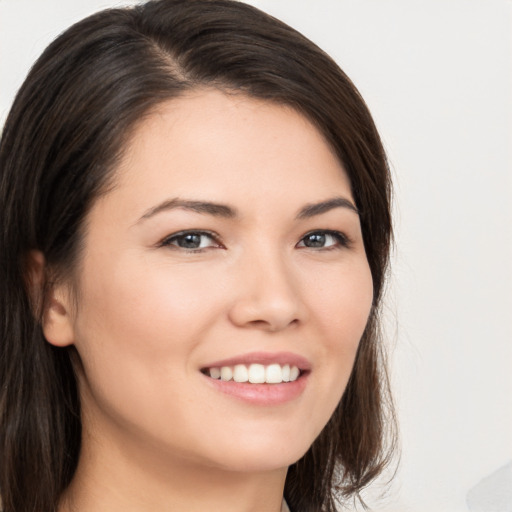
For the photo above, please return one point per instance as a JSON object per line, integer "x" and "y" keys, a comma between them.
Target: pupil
{"x": 316, "y": 240}
{"x": 191, "y": 241}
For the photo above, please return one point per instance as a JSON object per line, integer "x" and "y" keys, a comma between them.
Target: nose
{"x": 267, "y": 295}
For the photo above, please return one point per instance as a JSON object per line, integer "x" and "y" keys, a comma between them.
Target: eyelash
{"x": 342, "y": 241}
{"x": 167, "y": 242}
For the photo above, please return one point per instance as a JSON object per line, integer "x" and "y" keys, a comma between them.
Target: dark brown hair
{"x": 61, "y": 141}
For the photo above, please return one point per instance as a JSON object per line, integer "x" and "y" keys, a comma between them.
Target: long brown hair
{"x": 58, "y": 151}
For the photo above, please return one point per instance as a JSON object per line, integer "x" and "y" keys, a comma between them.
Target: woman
{"x": 195, "y": 213}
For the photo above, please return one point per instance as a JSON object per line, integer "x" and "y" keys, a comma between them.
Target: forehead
{"x": 228, "y": 146}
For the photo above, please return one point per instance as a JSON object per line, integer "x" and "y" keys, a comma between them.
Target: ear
{"x": 54, "y": 299}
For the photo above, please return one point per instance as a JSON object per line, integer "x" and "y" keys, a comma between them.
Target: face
{"x": 230, "y": 245}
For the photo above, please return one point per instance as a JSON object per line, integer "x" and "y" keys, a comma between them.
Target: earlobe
{"x": 50, "y": 303}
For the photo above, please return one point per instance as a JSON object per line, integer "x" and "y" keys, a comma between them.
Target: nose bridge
{"x": 268, "y": 294}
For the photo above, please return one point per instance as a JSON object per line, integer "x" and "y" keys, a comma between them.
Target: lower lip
{"x": 261, "y": 394}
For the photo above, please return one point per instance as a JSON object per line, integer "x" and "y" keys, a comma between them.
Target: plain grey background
{"x": 437, "y": 75}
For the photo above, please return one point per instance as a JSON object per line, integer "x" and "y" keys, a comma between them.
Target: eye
{"x": 324, "y": 240}
{"x": 191, "y": 240}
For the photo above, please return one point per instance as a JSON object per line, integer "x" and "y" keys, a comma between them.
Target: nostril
{"x": 272, "y": 325}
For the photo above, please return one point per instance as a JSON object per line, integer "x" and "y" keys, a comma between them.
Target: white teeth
{"x": 226, "y": 373}
{"x": 215, "y": 373}
{"x": 256, "y": 373}
{"x": 240, "y": 373}
{"x": 273, "y": 374}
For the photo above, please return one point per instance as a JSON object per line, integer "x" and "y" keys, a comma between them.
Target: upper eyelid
{"x": 346, "y": 240}
{"x": 333, "y": 232}
{"x": 217, "y": 238}
{"x": 214, "y": 236}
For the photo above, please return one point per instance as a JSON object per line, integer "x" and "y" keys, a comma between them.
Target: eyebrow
{"x": 223, "y": 210}
{"x": 209, "y": 208}
{"x": 311, "y": 210}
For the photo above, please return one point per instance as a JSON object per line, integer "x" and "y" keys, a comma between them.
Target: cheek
{"x": 146, "y": 307}
{"x": 342, "y": 308}
{"x": 136, "y": 333}
{"x": 139, "y": 328}
{"x": 343, "y": 303}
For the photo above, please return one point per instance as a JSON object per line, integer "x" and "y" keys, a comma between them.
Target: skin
{"x": 151, "y": 314}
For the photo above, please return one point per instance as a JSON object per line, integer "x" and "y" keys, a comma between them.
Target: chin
{"x": 261, "y": 455}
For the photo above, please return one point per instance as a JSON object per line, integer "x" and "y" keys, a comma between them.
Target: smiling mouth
{"x": 255, "y": 373}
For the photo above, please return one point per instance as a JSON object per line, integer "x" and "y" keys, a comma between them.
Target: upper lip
{"x": 264, "y": 358}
